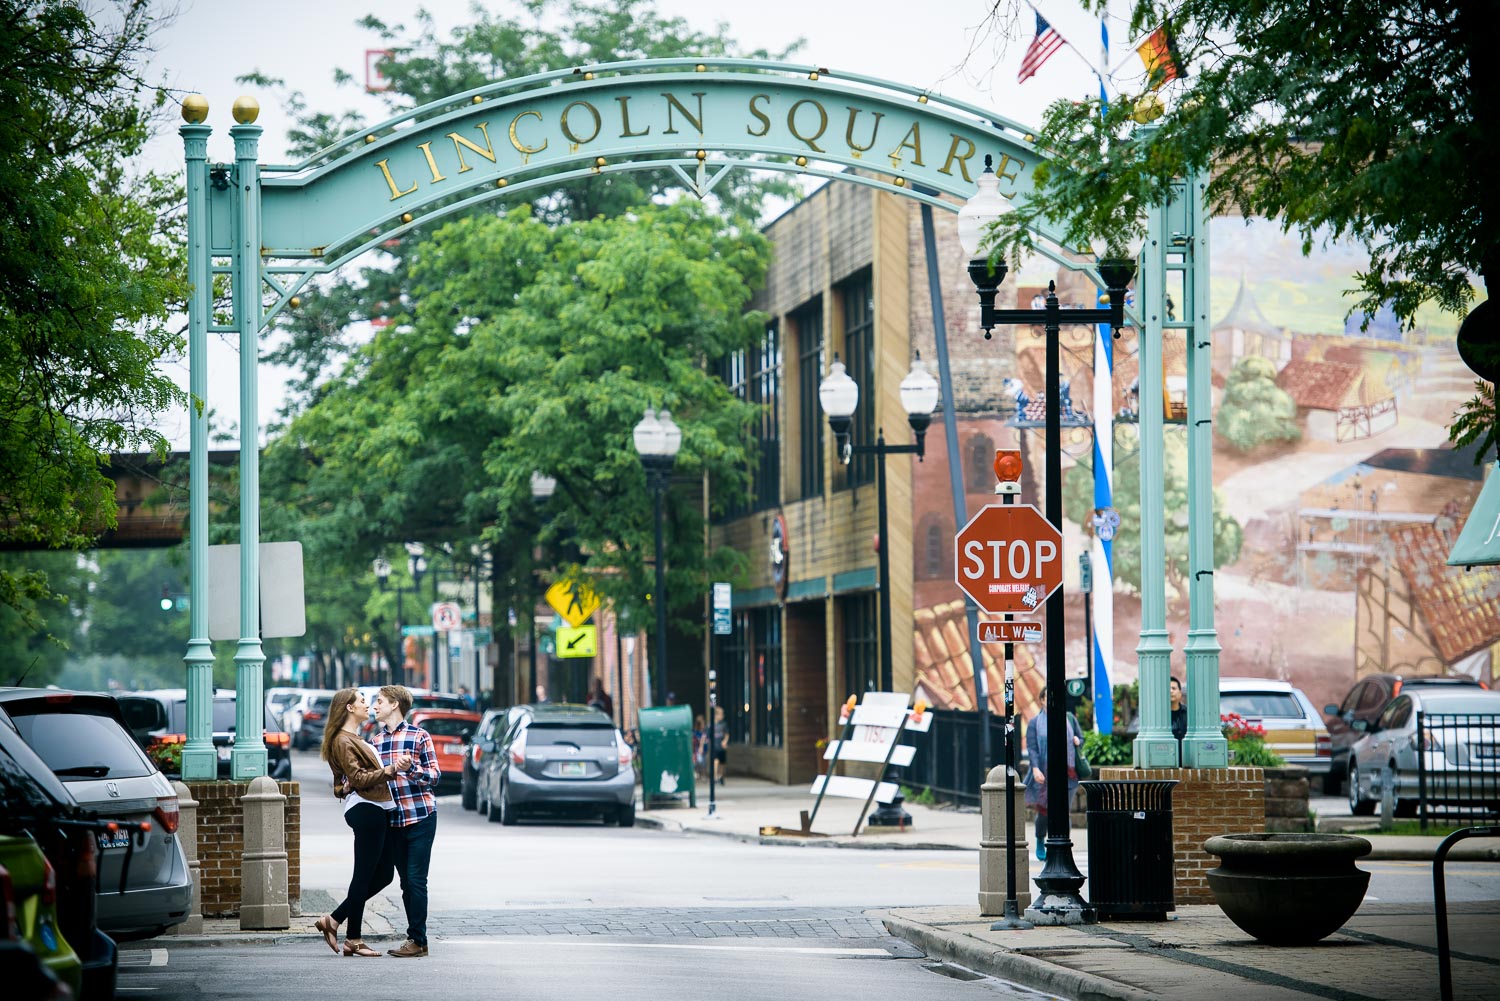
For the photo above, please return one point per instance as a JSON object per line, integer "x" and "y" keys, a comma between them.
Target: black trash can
{"x": 1130, "y": 848}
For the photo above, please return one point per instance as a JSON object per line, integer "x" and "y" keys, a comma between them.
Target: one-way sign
{"x": 1021, "y": 631}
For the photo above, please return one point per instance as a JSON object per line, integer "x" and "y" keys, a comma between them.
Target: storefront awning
{"x": 1479, "y": 543}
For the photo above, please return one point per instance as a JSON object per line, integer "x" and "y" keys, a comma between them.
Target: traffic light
{"x": 166, "y": 598}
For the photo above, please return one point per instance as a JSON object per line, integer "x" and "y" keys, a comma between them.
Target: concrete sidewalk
{"x": 1386, "y": 951}
{"x": 746, "y": 808}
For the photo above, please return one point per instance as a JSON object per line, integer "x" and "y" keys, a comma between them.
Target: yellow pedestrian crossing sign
{"x": 577, "y": 641}
{"x": 575, "y": 602}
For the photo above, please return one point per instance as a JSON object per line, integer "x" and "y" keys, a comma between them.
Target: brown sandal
{"x": 357, "y": 947}
{"x": 330, "y": 930}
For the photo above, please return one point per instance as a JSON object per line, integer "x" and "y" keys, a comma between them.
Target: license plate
{"x": 120, "y": 839}
{"x": 572, "y": 768}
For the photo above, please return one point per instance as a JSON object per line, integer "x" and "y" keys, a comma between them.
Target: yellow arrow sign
{"x": 573, "y": 601}
{"x": 582, "y": 641}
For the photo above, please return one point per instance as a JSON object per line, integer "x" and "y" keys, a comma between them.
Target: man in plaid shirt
{"x": 414, "y": 821}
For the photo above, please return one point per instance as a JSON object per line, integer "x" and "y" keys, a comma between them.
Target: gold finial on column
{"x": 246, "y": 109}
{"x": 194, "y": 109}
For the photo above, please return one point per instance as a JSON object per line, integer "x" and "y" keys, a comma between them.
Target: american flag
{"x": 1046, "y": 42}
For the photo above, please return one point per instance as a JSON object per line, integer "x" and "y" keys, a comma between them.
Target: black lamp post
{"x": 1059, "y": 882}
{"x": 838, "y": 395}
{"x": 657, "y": 439}
{"x": 542, "y": 488}
{"x": 382, "y": 568}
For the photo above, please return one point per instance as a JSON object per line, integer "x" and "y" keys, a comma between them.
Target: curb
{"x": 996, "y": 961}
{"x": 677, "y": 827}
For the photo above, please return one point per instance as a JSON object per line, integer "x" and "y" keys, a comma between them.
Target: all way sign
{"x": 1020, "y": 631}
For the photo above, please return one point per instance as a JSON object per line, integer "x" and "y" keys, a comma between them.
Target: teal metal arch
{"x": 273, "y": 228}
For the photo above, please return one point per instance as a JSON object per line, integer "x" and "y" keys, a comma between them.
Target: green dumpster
{"x": 667, "y": 756}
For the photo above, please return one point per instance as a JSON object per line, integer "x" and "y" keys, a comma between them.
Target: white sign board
{"x": 877, "y": 722}
{"x": 282, "y": 610}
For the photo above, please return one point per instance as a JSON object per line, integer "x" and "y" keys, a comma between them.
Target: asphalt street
{"x": 569, "y": 910}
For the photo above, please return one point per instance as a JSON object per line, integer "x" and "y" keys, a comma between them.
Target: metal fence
{"x": 1458, "y": 767}
{"x": 947, "y": 762}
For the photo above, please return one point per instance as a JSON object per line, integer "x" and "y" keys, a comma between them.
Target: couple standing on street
{"x": 389, "y": 805}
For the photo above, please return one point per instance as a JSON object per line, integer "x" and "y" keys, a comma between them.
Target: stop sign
{"x": 1008, "y": 558}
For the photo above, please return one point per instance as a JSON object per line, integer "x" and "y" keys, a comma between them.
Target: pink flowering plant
{"x": 1247, "y": 743}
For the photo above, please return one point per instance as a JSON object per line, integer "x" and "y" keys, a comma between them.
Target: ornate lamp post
{"x": 838, "y": 395}
{"x": 657, "y": 439}
{"x": 1060, "y": 880}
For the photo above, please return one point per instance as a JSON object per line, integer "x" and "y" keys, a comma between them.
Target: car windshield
{"x": 81, "y": 745}
{"x": 443, "y": 726}
{"x": 544, "y": 735}
{"x": 1277, "y": 705}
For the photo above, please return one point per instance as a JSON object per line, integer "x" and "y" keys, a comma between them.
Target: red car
{"x": 451, "y": 731}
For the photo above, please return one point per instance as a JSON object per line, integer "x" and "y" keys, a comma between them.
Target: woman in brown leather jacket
{"x": 367, "y": 805}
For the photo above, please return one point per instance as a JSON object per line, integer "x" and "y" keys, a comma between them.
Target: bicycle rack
{"x": 1440, "y": 902}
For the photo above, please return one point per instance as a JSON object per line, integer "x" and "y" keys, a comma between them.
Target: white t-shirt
{"x": 354, "y": 798}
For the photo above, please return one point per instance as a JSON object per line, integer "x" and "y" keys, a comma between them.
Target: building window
{"x": 764, "y": 382}
{"x": 861, "y": 643}
{"x": 733, "y": 667}
{"x": 765, "y": 625}
{"x": 936, "y": 540}
{"x": 981, "y": 465}
{"x": 809, "y": 325}
{"x": 859, "y": 350}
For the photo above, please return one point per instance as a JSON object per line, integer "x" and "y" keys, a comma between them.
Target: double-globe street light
{"x": 838, "y": 395}
{"x": 416, "y": 566}
{"x": 657, "y": 439}
{"x": 1060, "y": 880}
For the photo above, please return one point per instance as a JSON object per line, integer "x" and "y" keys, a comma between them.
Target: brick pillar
{"x": 187, "y": 833}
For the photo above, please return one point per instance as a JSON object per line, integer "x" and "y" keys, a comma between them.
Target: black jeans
{"x": 372, "y": 863}
{"x": 412, "y": 851}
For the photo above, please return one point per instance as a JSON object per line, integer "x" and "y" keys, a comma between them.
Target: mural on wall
{"x": 1337, "y": 494}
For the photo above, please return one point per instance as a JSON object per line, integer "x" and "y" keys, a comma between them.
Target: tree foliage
{"x": 1367, "y": 119}
{"x": 532, "y": 347}
{"x": 87, "y": 277}
{"x": 1254, "y": 409}
{"x": 532, "y": 36}
{"x": 1078, "y": 503}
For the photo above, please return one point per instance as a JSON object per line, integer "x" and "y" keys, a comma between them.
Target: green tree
{"x": 37, "y": 639}
{"x": 1078, "y": 504}
{"x": 125, "y": 613}
{"x": 536, "y": 348}
{"x": 88, "y": 275}
{"x": 1369, "y": 120}
{"x": 509, "y": 44}
{"x": 1254, "y": 409}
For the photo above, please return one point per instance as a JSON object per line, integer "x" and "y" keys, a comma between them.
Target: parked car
{"x": 279, "y": 700}
{"x": 487, "y": 734}
{"x": 558, "y": 758}
{"x": 1366, "y": 701}
{"x": 421, "y": 698}
{"x": 159, "y": 719}
{"x": 82, "y": 738}
{"x": 1461, "y": 757}
{"x": 451, "y": 731}
{"x": 314, "y": 717}
{"x": 1293, "y": 727}
{"x": 292, "y": 716}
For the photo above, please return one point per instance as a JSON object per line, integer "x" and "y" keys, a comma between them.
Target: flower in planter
{"x": 1247, "y": 743}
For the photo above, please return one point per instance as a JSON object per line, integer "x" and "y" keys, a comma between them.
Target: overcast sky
{"x": 950, "y": 46}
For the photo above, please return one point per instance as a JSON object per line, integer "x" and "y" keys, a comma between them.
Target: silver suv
{"x": 83, "y": 739}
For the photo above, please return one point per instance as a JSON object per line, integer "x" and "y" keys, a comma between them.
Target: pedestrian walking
{"x": 599, "y": 698}
{"x": 468, "y": 697}
{"x": 721, "y": 745}
{"x": 1036, "y": 776}
{"x": 361, "y": 781}
{"x": 414, "y": 821}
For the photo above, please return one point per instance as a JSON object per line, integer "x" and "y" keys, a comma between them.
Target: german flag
{"x": 1159, "y": 53}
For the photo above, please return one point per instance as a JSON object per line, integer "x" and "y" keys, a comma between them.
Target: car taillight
{"x": 518, "y": 751}
{"x": 278, "y": 739}
{"x": 166, "y": 811}
{"x": 86, "y": 853}
{"x": 1395, "y": 689}
{"x": 1324, "y": 745}
{"x": 312, "y": 716}
{"x": 626, "y": 755}
{"x": 478, "y": 755}
{"x": 169, "y": 738}
{"x": 49, "y": 885}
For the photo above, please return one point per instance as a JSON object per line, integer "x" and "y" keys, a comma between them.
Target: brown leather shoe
{"x": 408, "y": 950}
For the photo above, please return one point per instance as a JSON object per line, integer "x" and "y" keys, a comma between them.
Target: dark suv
{"x": 1366, "y": 701}
{"x": 158, "y": 719}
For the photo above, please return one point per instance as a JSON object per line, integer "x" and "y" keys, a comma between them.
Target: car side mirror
{"x": 1330, "y": 710}
{"x": 1363, "y": 726}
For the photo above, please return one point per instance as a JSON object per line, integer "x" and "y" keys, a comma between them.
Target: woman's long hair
{"x": 338, "y": 711}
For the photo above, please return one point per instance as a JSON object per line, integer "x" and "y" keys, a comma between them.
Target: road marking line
{"x": 578, "y": 940}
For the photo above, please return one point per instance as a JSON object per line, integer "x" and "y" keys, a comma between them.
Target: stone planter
{"x": 1288, "y": 889}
